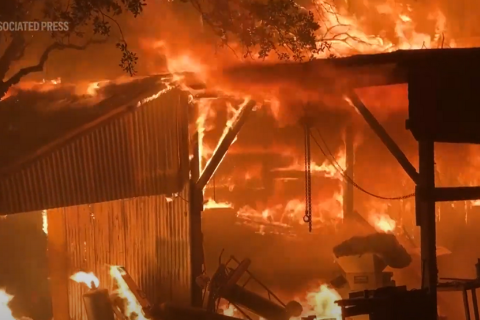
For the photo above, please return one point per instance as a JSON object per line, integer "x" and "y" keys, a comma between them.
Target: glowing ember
{"x": 156, "y": 95}
{"x": 5, "y": 312}
{"x": 55, "y": 81}
{"x": 132, "y": 308}
{"x": 212, "y": 204}
{"x": 382, "y": 222}
{"x": 89, "y": 279}
{"x": 229, "y": 309}
{"x": 45, "y": 221}
{"x": 321, "y": 303}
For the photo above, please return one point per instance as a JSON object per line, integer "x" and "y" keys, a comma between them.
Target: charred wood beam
{"x": 224, "y": 144}
{"x": 425, "y": 213}
{"x": 456, "y": 193}
{"x": 385, "y": 137}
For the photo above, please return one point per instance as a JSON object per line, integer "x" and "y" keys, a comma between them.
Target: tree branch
{"x": 4, "y": 86}
{"x": 14, "y": 51}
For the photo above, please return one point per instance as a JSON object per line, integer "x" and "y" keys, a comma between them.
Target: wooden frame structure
{"x": 442, "y": 108}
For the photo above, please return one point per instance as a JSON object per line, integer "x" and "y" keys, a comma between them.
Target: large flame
{"x": 5, "y": 312}
{"x": 321, "y": 303}
{"x": 131, "y": 308}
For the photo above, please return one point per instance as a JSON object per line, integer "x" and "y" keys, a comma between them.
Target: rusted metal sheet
{"x": 149, "y": 236}
{"x": 141, "y": 153}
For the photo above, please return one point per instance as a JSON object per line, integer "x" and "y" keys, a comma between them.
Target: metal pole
{"x": 426, "y": 213}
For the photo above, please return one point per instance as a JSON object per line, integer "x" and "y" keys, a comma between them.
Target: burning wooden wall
{"x": 116, "y": 190}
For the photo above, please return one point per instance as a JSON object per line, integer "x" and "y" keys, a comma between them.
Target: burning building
{"x": 100, "y": 177}
{"x": 109, "y": 166}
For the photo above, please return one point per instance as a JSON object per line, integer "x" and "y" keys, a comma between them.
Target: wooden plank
{"x": 58, "y": 263}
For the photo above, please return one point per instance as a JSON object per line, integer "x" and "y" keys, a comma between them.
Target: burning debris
{"x": 227, "y": 296}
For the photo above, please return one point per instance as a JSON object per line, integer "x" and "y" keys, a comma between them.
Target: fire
{"x": 5, "y": 312}
{"x": 212, "y": 204}
{"x": 347, "y": 35}
{"x": 382, "y": 222}
{"x": 321, "y": 303}
{"x": 132, "y": 308}
{"x": 156, "y": 95}
{"x": 54, "y": 81}
{"x": 228, "y": 309}
{"x": 327, "y": 169}
{"x": 204, "y": 123}
{"x": 281, "y": 218}
{"x": 185, "y": 63}
{"x": 45, "y": 221}
{"x": 92, "y": 88}
{"x": 89, "y": 279}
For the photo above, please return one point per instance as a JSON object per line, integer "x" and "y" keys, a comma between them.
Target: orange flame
{"x": 212, "y": 204}
{"x": 133, "y": 309}
{"x": 89, "y": 279}
{"x": 321, "y": 303}
{"x": 382, "y": 222}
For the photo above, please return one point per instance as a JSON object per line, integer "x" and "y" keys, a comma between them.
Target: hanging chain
{"x": 308, "y": 181}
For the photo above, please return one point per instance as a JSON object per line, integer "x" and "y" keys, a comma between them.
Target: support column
{"x": 196, "y": 236}
{"x": 425, "y": 210}
{"x": 349, "y": 163}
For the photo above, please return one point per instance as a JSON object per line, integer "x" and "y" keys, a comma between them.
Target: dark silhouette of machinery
{"x": 225, "y": 285}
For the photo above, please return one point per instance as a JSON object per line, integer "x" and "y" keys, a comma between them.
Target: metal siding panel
{"x": 141, "y": 153}
{"x": 148, "y": 235}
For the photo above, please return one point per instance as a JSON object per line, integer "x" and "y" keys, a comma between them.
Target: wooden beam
{"x": 425, "y": 211}
{"x": 456, "y": 193}
{"x": 196, "y": 236}
{"x": 224, "y": 144}
{"x": 385, "y": 137}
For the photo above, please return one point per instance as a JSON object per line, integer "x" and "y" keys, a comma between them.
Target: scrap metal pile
{"x": 224, "y": 284}
{"x": 362, "y": 260}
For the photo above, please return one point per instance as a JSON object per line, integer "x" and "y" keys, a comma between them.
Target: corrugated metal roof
{"x": 39, "y": 115}
{"x": 355, "y": 71}
{"x": 138, "y": 153}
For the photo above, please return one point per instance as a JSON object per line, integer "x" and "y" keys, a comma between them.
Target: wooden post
{"x": 426, "y": 214}
{"x": 223, "y": 145}
{"x": 384, "y": 137}
{"x": 58, "y": 263}
{"x": 196, "y": 237}
{"x": 348, "y": 187}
